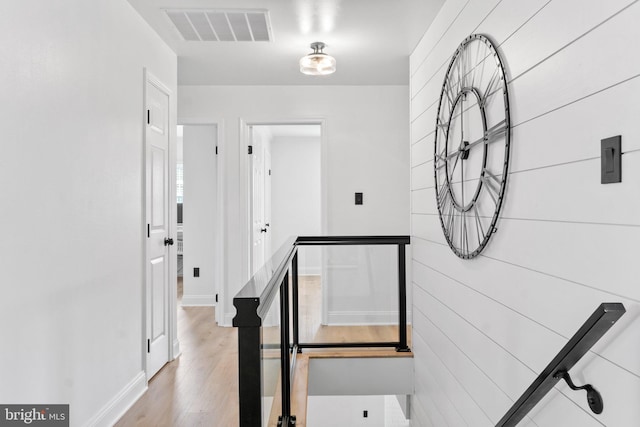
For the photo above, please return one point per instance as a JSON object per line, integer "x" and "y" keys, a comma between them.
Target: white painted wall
{"x": 337, "y": 411}
{"x": 296, "y": 197}
{"x": 200, "y": 214}
{"x": 361, "y": 283}
{"x": 485, "y": 328}
{"x": 365, "y": 150}
{"x": 358, "y": 376}
{"x": 72, "y": 202}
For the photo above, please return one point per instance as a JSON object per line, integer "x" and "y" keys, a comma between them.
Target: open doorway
{"x": 197, "y": 199}
{"x": 179, "y": 201}
{"x": 285, "y": 185}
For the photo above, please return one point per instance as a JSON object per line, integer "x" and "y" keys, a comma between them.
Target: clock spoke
{"x": 443, "y": 194}
{"x": 473, "y": 77}
{"x": 490, "y": 181}
{"x": 462, "y": 70}
{"x": 450, "y": 93}
{"x": 442, "y": 156}
{"x": 464, "y": 243}
{"x": 489, "y": 89}
{"x": 455, "y": 163}
{"x": 478, "y": 221}
{"x": 451, "y": 219}
{"x": 443, "y": 125}
{"x": 484, "y": 62}
{"x": 449, "y": 227}
{"x": 496, "y": 131}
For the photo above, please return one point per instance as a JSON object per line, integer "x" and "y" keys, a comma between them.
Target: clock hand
{"x": 466, "y": 147}
{"x": 476, "y": 142}
{"x": 491, "y": 134}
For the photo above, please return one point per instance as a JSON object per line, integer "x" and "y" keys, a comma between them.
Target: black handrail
{"x": 605, "y": 316}
{"x": 252, "y": 305}
{"x": 254, "y": 301}
{"x": 353, "y": 240}
{"x": 264, "y": 285}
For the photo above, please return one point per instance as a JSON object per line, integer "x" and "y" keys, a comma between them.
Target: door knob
{"x": 263, "y": 230}
{"x": 168, "y": 242}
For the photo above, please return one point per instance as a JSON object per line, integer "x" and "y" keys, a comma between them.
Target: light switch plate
{"x": 358, "y": 198}
{"x": 611, "y": 160}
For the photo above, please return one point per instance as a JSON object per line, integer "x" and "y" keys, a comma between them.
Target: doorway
{"x": 286, "y": 199}
{"x": 199, "y": 206}
{"x": 285, "y": 186}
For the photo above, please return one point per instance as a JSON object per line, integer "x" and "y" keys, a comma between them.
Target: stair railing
{"x": 255, "y": 310}
{"x": 602, "y": 319}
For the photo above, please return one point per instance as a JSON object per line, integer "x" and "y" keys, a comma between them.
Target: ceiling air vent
{"x": 221, "y": 25}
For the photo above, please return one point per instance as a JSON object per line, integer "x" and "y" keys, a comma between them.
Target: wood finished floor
{"x": 200, "y": 388}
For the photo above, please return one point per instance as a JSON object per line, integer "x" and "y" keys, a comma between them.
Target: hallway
{"x": 199, "y": 388}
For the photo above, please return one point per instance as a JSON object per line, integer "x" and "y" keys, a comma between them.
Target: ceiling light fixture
{"x": 317, "y": 63}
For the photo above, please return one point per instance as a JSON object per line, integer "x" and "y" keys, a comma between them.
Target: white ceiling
{"x": 370, "y": 39}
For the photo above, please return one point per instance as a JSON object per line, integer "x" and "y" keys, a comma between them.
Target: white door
{"x": 267, "y": 202}
{"x": 258, "y": 227}
{"x": 157, "y": 214}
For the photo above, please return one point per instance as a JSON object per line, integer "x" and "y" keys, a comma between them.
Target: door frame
{"x": 174, "y": 345}
{"x": 221, "y": 271}
{"x": 245, "y": 181}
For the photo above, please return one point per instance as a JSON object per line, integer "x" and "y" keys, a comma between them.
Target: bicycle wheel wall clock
{"x": 472, "y": 139}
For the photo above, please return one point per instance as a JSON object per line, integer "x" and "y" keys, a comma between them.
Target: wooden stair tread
{"x": 355, "y": 353}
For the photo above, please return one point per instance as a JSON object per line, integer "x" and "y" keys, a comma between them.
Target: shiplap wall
{"x": 485, "y": 328}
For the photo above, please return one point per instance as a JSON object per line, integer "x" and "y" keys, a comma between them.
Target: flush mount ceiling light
{"x": 317, "y": 63}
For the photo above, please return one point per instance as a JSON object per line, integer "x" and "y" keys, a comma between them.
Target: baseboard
{"x": 120, "y": 404}
{"x": 198, "y": 300}
{"x": 352, "y": 318}
{"x": 228, "y": 319}
{"x": 176, "y": 349}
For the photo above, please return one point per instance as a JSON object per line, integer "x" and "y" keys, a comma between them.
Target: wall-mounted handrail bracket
{"x": 600, "y": 321}
{"x": 594, "y": 398}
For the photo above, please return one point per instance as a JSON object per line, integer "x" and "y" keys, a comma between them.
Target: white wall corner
{"x": 120, "y": 403}
{"x": 198, "y": 301}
